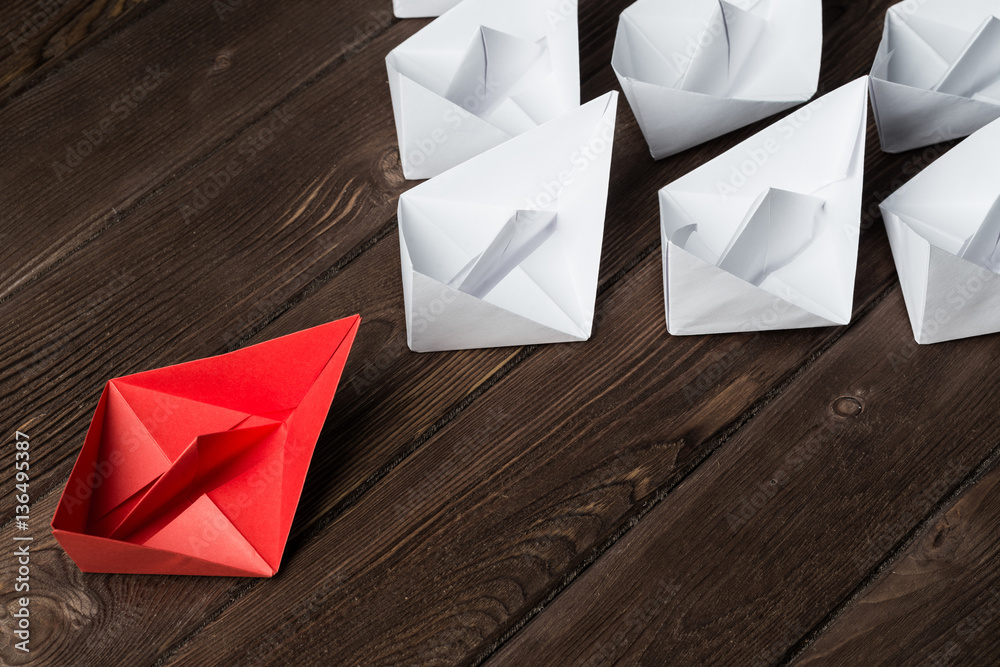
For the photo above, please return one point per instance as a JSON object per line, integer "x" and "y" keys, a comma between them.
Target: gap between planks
{"x": 351, "y": 499}
{"x": 987, "y": 465}
{"x": 47, "y": 69}
{"x": 715, "y": 444}
{"x": 198, "y": 161}
{"x": 718, "y": 441}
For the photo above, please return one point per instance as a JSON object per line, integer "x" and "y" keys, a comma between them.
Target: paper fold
{"x": 505, "y": 248}
{"x": 936, "y": 75}
{"x": 944, "y": 229}
{"x": 765, "y": 236}
{"x": 197, "y": 468}
{"x": 480, "y": 74}
{"x": 695, "y": 70}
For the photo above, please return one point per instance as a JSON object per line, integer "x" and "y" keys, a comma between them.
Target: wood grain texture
{"x": 469, "y": 533}
{"x": 937, "y": 604}
{"x": 761, "y": 542}
{"x": 65, "y": 311}
{"x": 164, "y": 286}
{"x": 38, "y": 35}
{"x": 413, "y": 632}
{"x": 450, "y": 494}
{"x": 214, "y": 271}
{"x": 115, "y": 617}
{"x": 132, "y": 113}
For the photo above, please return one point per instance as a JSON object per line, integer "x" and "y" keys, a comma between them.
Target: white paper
{"x": 480, "y": 74}
{"x": 693, "y": 70}
{"x": 944, "y": 229}
{"x": 411, "y": 9}
{"x": 936, "y": 76}
{"x": 765, "y": 236}
{"x": 505, "y": 249}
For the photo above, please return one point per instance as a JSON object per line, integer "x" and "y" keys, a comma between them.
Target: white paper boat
{"x": 412, "y": 9}
{"x": 937, "y": 73}
{"x": 765, "y": 236}
{"x": 505, "y": 248}
{"x": 480, "y": 74}
{"x": 944, "y": 228}
{"x": 693, "y": 70}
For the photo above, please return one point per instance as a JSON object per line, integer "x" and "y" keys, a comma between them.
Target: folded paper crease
{"x": 198, "y": 468}
{"x": 505, "y": 248}
{"x": 695, "y": 70}
{"x": 478, "y": 75}
{"x": 936, "y": 75}
{"x": 944, "y": 230}
{"x": 765, "y": 236}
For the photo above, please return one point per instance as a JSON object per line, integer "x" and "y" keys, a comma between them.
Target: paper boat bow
{"x": 198, "y": 468}
{"x": 766, "y": 235}
{"x": 944, "y": 229}
{"x": 936, "y": 76}
{"x": 693, "y": 70}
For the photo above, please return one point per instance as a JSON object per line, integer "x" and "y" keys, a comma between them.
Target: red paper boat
{"x": 198, "y": 468}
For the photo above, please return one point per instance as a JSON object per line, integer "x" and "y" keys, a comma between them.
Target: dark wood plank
{"x": 623, "y": 243}
{"x": 707, "y": 377}
{"x": 259, "y": 216}
{"x": 623, "y": 220}
{"x": 315, "y": 183}
{"x": 111, "y": 127}
{"x": 938, "y": 604}
{"x": 38, "y": 35}
{"x": 469, "y": 533}
{"x": 385, "y": 385}
{"x": 774, "y": 531}
{"x": 114, "y": 617}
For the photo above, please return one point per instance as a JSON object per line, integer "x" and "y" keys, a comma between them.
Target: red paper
{"x": 198, "y": 468}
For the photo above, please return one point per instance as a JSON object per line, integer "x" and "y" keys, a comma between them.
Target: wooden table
{"x": 813, "y": 497}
